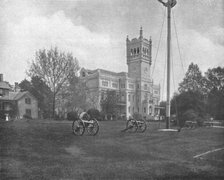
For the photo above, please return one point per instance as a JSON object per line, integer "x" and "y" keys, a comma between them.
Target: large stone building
{"x": 135, "y": 89}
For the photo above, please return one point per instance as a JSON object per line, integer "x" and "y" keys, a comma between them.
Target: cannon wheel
{"x": 78, "y": 127}
{"x": 92, "y": 127}
{"x": 131, "y": 125}
{"x": 142, "y": 126}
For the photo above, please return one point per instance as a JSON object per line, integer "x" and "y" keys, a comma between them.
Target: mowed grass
{"x": 49, "y": 150}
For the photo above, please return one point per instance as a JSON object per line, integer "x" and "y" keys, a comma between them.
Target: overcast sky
{"x": 95, "y": 32}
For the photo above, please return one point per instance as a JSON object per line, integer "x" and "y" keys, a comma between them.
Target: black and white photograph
{"x": 112, "y": 89}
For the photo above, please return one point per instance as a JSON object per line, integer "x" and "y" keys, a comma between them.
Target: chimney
{"x": 1, "y": 77}
{"x": 16, "y": 87}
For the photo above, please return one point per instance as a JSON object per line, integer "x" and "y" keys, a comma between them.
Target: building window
{"x": 138, "y": 109}
{"x": 138, "y": 50}
{"x": 131, "y": 52}
{"x": 1, "y": 92}
{"x": 145, "y": 86}
{"x": 144, "y": 110}
{"x": 83, "y": 74}
{"x": 105, "y": 83}
{"x": 122, "y": 97}
{"x": 134, "y": 51}
{"x": 138, "y": 86}
{"x": 156, "y": 92}
{"x": 122, "y": 85}
{"x": 131, "y": 86}
{"x": 27, "y": 100}
{"x": 28, "y": 112}
{"x": 133, "y": 110}
{"x": 133, "y": 98}
{"x": 114, "y": 85}
{"x": 129, "y": 97}
{"x": 129, "y": 109}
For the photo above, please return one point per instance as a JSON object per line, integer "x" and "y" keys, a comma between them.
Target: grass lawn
{"x": 49, "y": 150}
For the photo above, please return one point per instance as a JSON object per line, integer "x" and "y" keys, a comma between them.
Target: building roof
{"x": 15, "y": 95}
{"x": 4, "y": 85}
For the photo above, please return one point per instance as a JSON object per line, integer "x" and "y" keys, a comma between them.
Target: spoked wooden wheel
{"x": 78, "y": 127}
{"x": 142, "y": 126}
{"x": 92, "y": 127}
{"x": 131, "y": 125}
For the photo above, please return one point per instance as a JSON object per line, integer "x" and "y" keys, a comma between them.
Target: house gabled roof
{"x": 16, "y": 95}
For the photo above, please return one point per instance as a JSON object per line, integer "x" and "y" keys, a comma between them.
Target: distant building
{"x": 135, "y": 89}
{"x": 16, "y": 104}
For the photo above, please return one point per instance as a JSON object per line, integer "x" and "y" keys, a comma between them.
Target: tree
{"x": 54, "y": 68}
{"x": 75, "y": 94}
{"x": 193, "y": 80}
{"x": 108, "y": 103}
{"x": 40, "y": 91}
{"x": 188, "y": 102}
{"x": 215, "y": 85}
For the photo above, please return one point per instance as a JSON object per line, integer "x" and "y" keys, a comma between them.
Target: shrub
{"x": 26, "y": 116}
{"x": 94, "y": 113}
{"x": 191, "y": 115}
{"x": 72, "y": 115}
{"x": 137, "y": 116}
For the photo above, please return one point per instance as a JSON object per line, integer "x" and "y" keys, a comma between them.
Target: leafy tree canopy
{"x": 193, "y": 80}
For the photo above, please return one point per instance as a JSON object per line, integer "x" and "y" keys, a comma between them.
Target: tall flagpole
{"x": 169, "y": 4}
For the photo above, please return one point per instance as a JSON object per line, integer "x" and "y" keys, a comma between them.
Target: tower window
{"x": 145, "y": 87}
{"x": 138, "y": 50}
{"x": 134, "y": 51}
{"x": 131, "y": 52}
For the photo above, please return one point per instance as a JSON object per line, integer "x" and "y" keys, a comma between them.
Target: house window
{"x": 28, "y": 112}
{"x": 105, "y": 83}
{"x": 83, "y": 74}
{"x": 27, "y": 100}
{"x": 114, "y": 85}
